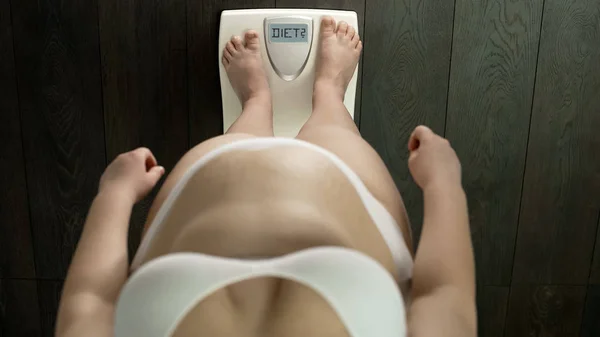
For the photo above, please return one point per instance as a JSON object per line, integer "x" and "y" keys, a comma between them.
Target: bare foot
{"x": 245, "y": 68}
{"x": 339, "y": 51}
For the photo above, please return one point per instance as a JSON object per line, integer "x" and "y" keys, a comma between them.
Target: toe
{"x": 252, "y": 41}
{"x": 230, "y": 48}
{"x": 225, "y": 61}
{"x": 355, "y": 40}
{"x": 342, "y": 28}
{"x": 351, "y": 32}
{"x": 227, "y": 55}
{"x": 237, "y": 42}
{"x": 327, "y": 25}
{"x": 359, "y": 46}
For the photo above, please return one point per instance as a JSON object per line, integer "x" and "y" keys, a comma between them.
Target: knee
{"x": 327, "y": 133}
{"x": 340, "y": 140}
{"x": 319, "y": 123}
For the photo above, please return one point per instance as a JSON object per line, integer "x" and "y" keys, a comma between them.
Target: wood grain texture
{"x": 590, "y": 326}
{"x": 144, "y": 72}
{"x": 16, "y": 250}
{"x": 49, "y": 294}
{"x": 595, "y": 269}
{"x": 545, "y": 311}
{"x": 205, "y": 107}
{"x": 19, "y": 311}
{"x": 561, "y": 192}
{"x": 58, "y": 73}
{"x": 494, "y": 55}
{"x": 357, "y": 6}
{"x": 406, "y": 62}
{"x": 491, "y": 310}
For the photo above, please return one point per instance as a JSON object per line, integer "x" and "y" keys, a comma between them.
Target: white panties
{"x": 364, "y": 295}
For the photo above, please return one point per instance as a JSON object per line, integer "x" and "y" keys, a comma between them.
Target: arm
{"x": 100, "y": 265}
{"x": 443, "y": 290}
{"x": 98, "y": 269}
{"x": 444, "y": 283}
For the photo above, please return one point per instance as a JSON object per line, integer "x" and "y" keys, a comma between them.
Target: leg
{"x": 330, "y": 125}
{"x": 247, "y": 76}
{"x": 339, "y": 52}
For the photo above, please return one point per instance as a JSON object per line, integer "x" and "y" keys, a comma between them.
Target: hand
{"x": 134, "y": 173}
{"x": 432, "y": 160}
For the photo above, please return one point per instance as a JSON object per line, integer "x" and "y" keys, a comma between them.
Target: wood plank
{"x": 58, "y": 74}
{"x": 494, "y": 55}
{"x": 406, "y": 62}
{"x": 595, "y": 269}
{"x": 491, "y": 310}
{"x": 144, "y": 71}
{"x": 49, "y": 293}
{"x": 548, "y": 311}
{"x": 16, "y": 251}
{"x": 19, "y": 311}
{"x": 357, "y": 6}
{"x": 206, "y": 109}
{"x": 561, "y": 192}
{"x": 591, "y": 314}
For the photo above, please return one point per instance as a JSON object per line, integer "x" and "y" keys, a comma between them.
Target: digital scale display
{"x": 288, "y": 32}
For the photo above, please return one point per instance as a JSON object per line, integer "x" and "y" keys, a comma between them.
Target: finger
{"x": 413, "y": 143}
{"x": 420, "y": 134}
{"x": 142, "y": 151}
{"x": 154, "y": 175}
{"x": 413, "y": 155}
{"x": 147, "y": 156}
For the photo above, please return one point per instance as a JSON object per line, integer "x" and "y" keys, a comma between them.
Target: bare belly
{"x": 256, "y": 204}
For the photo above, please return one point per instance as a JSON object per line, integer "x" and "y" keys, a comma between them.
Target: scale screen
{"x": 288, "y": 32}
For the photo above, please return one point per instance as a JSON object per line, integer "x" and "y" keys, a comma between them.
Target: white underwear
{"x": 364, "y": 295}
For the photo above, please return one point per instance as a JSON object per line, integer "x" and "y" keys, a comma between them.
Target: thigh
{"x": 367, "y": 164}
{"x": 185, "y": 162}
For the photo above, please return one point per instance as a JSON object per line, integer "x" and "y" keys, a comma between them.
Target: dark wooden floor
{"x": 514, "y": 85}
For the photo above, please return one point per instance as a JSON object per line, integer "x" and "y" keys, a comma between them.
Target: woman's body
{"x": 283, "y": 200}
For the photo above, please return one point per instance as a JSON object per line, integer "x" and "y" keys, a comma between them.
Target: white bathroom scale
{"x": 289, "y": 42}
